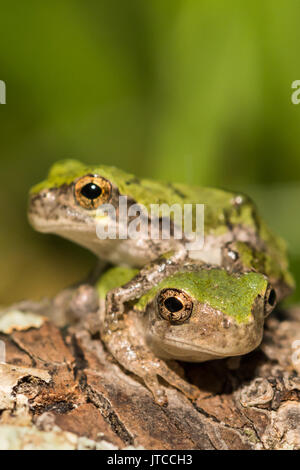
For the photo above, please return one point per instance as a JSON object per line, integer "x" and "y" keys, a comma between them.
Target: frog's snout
{"x": 42, "y": 207}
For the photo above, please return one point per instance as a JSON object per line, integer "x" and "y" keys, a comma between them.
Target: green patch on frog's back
{"x": 221, "y": 210}
{"x": 66, "y": 172}
{"x": 234, "y": 295}
{"x": 143, "y": 191}
{"x": 146, "y": 192}
{"x": 114, "y": 277}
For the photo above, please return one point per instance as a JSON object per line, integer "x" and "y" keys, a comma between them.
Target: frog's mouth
{"x": 195, "y": 348}
{"x": 182, "y": 351}
{"x": 59, "y": 227}
{"x": 48, "y": 215}
{"x": 215, "y": 346}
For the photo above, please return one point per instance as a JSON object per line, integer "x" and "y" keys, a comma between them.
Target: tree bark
{"x": 60, "y": 389}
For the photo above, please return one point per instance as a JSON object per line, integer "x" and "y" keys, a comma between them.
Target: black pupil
{"x": 173, "y": 304}
{"x": 272, "y": 297}
{"x": 91, "y": 191}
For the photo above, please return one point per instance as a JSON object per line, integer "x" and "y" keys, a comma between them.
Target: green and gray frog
{"x": 228, "y": 286}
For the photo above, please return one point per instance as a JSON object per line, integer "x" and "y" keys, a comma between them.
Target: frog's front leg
{"x": 75, "y": 302}
{"x": 128, "y": 347}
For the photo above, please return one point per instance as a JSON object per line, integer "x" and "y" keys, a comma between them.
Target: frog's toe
{"x": 193, "y": 392}
{"x": 161, "y": 398}
{"x": 189, "y": 390}
{"x": 157, "y": 391}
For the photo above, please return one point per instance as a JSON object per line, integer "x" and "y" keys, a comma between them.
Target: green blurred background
{"x": 186, "y": 90}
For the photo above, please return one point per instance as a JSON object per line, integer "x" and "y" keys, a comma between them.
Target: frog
{"x": 237, "y": 243}
{"x": 196, "y": 313}
{"x": 68, "y": 201}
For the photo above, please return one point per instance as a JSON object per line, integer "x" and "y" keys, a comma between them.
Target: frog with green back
{"x": 237, "y": 243}
{"x": 196, "y": 314}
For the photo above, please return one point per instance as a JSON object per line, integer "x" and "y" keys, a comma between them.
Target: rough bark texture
{"x": 59, "y": 388}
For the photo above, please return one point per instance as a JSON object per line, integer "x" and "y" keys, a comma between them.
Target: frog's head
{"x": 207, "y": 314}
{"x": 67, "y": 202}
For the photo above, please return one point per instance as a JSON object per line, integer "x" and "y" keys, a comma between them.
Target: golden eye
{"x": 270, "y": 300}
{"x": 92, "y": 191}
{"x": 174, "y": 305}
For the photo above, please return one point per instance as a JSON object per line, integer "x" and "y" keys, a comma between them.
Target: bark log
{"x": 60, "y": 389}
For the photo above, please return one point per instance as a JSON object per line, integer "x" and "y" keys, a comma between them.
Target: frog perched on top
{"x": 67, "y": 204}
{"x": 237, "y": 242}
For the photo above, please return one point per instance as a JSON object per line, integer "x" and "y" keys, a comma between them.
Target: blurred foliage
{"x": 186, "y": 90}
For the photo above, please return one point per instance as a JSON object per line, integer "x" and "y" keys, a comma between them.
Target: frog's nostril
{"x": 48, "y": 197}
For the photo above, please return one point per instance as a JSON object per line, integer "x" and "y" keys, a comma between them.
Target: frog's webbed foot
{"x": 169, "y": 376}
{"x": 68, "y": 306}
{"x": 73, "y": 304}
{"x": 189, "y": 390}
{"x": 134, "y": 355}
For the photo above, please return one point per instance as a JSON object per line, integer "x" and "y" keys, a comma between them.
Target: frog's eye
{"x": 270, "y": 300}
{"x": 174, "y": 305}
{"x": 92, "y": 191}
